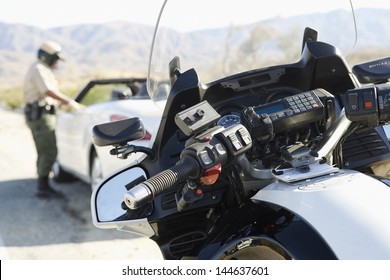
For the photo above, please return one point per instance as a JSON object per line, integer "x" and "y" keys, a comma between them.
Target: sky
{"x": 52, "y": 13}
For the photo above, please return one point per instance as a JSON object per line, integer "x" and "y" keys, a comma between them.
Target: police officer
{"x": 41, "y": 96}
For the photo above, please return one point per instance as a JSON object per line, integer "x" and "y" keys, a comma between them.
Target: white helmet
{"x": 49, "y": 52}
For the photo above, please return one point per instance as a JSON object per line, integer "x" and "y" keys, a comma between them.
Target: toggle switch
{"x": 353, "y": 101}
{"x": 368, "y": 100}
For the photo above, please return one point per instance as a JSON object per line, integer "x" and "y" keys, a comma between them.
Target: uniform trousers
{"x": 43, "y": 132}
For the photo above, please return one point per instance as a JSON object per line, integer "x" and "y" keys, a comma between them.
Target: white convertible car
{"x": 104, "y": 100}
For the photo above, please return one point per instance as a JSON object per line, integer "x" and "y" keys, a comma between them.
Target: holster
{"x": 33, "y": 111}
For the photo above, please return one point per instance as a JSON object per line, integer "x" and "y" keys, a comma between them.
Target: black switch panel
{"x": 361, "y": 105}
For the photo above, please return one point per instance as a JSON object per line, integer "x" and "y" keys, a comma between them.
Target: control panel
{"x": 369, "y": 105}
{"x": 362, "y": 105}
{"x": 285, "y": 114}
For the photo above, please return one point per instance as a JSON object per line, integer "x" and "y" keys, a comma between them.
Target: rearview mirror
{"x": 121, "y": 93}
{"x": 373, "y": 72}
{"x": 118, "y": 132}
{"x": 107, "y": 200}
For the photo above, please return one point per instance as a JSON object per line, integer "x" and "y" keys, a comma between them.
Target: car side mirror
{"x": 121, "y": 94}
{"x": 119, "y": 132}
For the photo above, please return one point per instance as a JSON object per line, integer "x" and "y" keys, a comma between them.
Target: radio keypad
{"x": 297, "y": 104}
{"x": 285, "y": 114}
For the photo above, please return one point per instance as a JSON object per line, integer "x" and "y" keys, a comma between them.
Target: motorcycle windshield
{"x": 219, "y": 38}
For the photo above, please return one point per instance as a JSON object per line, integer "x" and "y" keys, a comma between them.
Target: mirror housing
{"x": 373, "y": 72}
{"x": 118, "y": 132}
{"x": 121, "y": 93}
{"x": 107, "y": 204}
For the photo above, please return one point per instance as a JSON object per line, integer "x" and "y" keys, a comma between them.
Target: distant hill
{"x": 123, "y": 47}
{"x": 99, "y": 48}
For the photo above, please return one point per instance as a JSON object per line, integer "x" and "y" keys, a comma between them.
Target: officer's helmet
{"x": 49, "y": 52}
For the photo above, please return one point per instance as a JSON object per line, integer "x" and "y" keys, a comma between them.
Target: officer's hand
{"x": 72, "y": 106}
{"x": 75, "y": 106}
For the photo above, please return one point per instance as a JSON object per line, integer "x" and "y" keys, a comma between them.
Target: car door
{"x": 71, "y": 128}
{"x": 74, "y": 129}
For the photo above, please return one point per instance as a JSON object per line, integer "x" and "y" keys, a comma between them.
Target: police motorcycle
{"x": 268, "y": 161}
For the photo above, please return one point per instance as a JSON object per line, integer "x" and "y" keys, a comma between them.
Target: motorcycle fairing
{"x": 345, "y": 209}
{"x": 263, "y": 231}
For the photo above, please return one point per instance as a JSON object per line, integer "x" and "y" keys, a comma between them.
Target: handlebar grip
{"x": 144, "y": 192}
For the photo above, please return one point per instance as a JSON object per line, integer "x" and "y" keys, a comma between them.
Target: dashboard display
{"x": 229, "y": 120}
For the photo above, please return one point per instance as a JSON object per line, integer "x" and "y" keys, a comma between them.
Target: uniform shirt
{"x": 39, "y": 79}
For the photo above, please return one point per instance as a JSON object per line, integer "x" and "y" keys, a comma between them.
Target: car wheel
{"x": 60, "y": 175}
{"x": 96, "y": 171}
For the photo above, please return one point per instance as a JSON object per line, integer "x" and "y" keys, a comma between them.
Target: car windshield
{"x": 219, "y": 38}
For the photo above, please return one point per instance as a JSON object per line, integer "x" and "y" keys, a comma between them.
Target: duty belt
{"x": 34, "y": 111}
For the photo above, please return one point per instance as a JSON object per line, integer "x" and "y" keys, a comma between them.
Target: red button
{"x": 368, "y": 105}
{"x": 211, "y": 174}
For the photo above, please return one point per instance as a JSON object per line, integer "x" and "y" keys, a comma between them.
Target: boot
{"x": 45, "y": 191}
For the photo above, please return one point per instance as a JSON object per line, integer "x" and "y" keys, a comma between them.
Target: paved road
{"x": 32, "y": 228}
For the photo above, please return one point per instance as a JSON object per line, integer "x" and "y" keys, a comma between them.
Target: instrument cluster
{"x": 229, "y": 119}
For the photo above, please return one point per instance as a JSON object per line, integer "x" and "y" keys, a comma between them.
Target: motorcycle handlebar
{"x": 144, "y": 192}
{"x": 225, "y": 145}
